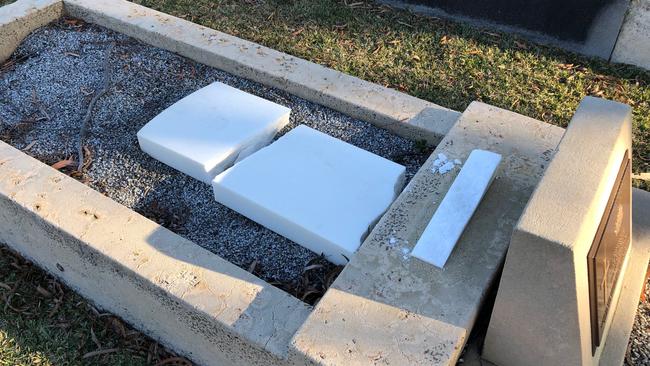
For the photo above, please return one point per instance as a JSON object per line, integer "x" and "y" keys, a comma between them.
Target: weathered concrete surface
{"x": 188, "y": 298}
{"x": 390, "y": 309}
{"x": 542, "y": 314}
{"x": 633, "y": 282}
{"x": 633, "y": 45}
{"x": 370, "y": 102}
{"x": 19, "y": 19}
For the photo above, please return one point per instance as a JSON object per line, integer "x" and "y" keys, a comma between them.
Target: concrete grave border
{"x": 186, "y": 297}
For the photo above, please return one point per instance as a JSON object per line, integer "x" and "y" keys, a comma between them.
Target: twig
{"x": 173, "y": 360}
{"x": 100, "y": 352}
{"x": 9, "y": 295}
{"x": 84, "y": 124}
{"x": 37, "y": 103}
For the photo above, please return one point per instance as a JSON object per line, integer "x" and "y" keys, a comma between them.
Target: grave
{"x": 385, "y": 307}
{"x": 571, "y": 250}
{"x": 211, "y": 129}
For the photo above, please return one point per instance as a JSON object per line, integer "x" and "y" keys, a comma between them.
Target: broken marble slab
{"x": 314, "y": 189}
{"x": 457, "y": 207}
{"x": 211, "y": 129}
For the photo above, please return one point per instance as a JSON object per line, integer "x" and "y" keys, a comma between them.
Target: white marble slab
{"x": 457, "y": 207}
{"x": 209, "y": 130}
{"x": 314, "y": 189}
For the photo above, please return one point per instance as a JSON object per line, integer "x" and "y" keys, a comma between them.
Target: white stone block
{"x": 457, "y": 207}
{"x": 211, "y": 129}
{"x": 314, "y": 189}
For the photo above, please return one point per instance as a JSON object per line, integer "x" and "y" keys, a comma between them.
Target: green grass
{"x": 44, "y": 323}
{"x": 444, "y": 62}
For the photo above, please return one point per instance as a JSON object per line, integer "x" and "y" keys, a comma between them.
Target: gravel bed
{"x": 44, "y": 92}
{"x": 638, "y": 349}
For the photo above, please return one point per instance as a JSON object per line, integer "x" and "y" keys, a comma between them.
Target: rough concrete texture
{"x": 542, "y": 312}
{"x": 19, "y": 19}
{"x": 388, "y": 308}
{"x": 370, "y": 102}
{"x": 633, "y": 284}
{"x": 188, "y": 298}
{"x": 633, "y": 45}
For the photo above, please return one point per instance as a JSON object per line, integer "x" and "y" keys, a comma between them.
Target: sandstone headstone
{"x": 562, "y": 276}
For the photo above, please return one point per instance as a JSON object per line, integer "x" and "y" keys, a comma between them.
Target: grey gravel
{"x": 60, "y": 65}
{"x": 638, "y": 349}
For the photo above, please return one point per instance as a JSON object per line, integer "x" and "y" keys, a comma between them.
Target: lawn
{"x": 42, "y": 322}
{"x": 450, "y": 64}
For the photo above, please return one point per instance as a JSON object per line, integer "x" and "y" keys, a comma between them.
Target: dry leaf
{"x": 94, "y": 338}
{"x": 521, "y": 45}
{"x": 405, "y": 24}
{"x": 74, "y": 22}
{"x": 43, "y": 291}
{"x": 62, "y": 164}
{"x": 252, "y": 267}
{"x": 313, "y": 266}
{"x": 31, "y": 144}
{"x": 174, "y": 361}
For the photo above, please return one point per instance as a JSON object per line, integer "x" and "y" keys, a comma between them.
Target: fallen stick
{"x": 37, "y": 103}
{"x": 99, "y": 352}
{"x": 106, "y": 84}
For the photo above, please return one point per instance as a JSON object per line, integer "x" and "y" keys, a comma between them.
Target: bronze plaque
{"x": 608, "y": 250}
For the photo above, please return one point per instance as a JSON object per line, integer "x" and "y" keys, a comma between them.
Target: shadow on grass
{"x": 42, "y": 322}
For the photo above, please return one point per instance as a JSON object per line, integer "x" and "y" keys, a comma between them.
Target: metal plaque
{"x": 608, "y": 250}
